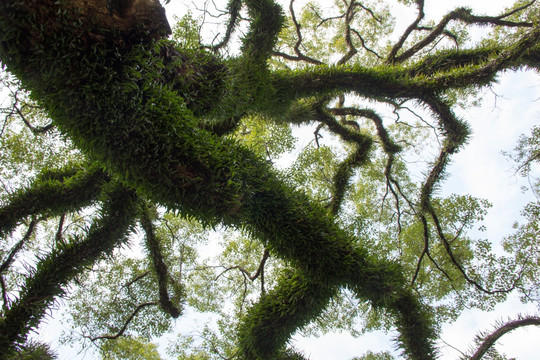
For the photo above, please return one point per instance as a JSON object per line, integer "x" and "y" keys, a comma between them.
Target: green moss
{"x": 155, "y": 254}
{"x": 269, "y": 324}
{"x": 55, "y": 270}
{"x": 53, "y": 193}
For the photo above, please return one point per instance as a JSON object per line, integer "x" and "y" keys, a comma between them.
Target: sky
{"x": 479, "y": 170}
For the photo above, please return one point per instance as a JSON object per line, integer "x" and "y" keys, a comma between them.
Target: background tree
{"x": 169, "y": 138}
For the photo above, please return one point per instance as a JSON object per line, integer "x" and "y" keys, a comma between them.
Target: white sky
{"x": 479, "y": 170}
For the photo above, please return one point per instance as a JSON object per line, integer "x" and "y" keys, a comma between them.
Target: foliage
{"x": 523, "y": 243}
{"x": 35, "y": 351}
{"x": 129, "y": 348}
{"x": 28, "y": 147}
{"x": 375, "y": 356}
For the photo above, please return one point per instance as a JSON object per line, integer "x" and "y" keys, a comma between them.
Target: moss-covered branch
{"x": 486, "y": 342}
{"x": 413, "y": 26}
{"x": 54, "y": 271}
{"x": 234, "y": 7}
{"x": 433, "y": 75}
{"x": 153, "y": 247}
{"x": 266, "y": 22}
{"x": 456, "y": 133}
{"x": 463, "y": 15}
{"x": 342, "y": 178}
{"x": 296, "y": 300}
{"x": 362, "y": 146}
{"x": 54, "y": 192}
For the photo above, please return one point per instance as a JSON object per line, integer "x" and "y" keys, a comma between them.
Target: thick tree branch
{"x": 59, "y": 267}
{"x": 53, "y": 193}
{"x": 9, "y": 260}
{"x": 154, "y": 249}
{"x": 299, "y": 296}
{"x": 397, "y": 83}
{"x": 487, "y": 341}
{"x": 266, "y": 22}
{"x": 342, "y": 178}
{"x": 112, "y": 98}
{"x": 462, "y": 14}
{"x": 234, "y": 8}
{"x": 455, "y": 132}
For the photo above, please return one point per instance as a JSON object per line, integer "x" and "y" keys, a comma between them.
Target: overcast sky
{"x": 479, "y": 170}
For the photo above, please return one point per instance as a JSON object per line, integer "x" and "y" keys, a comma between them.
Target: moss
{"x": 269, "y": 324}
{"x": 156, "y": 256}
{"x": 53, "y": 193}
{"x": 54, "y": 271}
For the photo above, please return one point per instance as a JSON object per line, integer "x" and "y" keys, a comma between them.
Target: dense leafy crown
{"x": 171, "y": 138}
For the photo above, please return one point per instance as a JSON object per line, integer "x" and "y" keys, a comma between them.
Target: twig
{"x": 126, "y": 324}
{"x": 18, "y": 246}
{"x": 456, "y": 263}
{"x": 299, "y": 55}
{"x": 137, "y": 278}
{"x": 464, "y": 15}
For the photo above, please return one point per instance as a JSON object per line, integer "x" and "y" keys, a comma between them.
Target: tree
{"x": 126, "y": 348}
{"x": 160, "y": 124}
